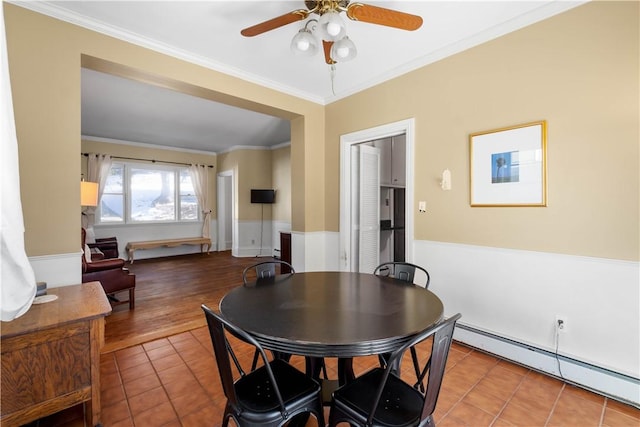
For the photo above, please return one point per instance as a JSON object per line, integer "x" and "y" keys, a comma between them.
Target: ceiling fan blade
{"x": 327, "y": 52}
{"x": 277, "y": 22}
{"x": 382, "y": 16}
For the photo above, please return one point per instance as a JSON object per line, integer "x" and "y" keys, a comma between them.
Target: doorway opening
{"x": 350, "y": 190}
{"x": 225, "y": 204}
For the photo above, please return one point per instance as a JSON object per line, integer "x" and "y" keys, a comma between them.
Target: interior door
{"x": 354, "y": 207}
{"x": 369, "y": 208}
{"x": 225, "y": 212}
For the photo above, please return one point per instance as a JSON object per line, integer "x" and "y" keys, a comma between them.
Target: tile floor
{"x": 174, "y": 382}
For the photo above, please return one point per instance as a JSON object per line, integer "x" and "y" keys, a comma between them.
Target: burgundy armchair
{"x": 110, "y": 272}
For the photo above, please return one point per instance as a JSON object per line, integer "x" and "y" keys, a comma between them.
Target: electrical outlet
{"x": 561, "y": 323}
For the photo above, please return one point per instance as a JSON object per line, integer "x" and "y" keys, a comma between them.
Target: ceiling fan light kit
{"x": 343, "y": 50}
{"x": 332, "y": 28}
{"x": 304, "y": 43}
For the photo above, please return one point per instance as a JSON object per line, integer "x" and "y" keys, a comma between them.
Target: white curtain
{"x": 98, "y": 167}
{"x": 17, "y": 280}
{"x": 200, "y": 180}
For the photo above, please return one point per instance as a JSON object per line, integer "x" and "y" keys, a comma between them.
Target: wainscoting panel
{"x": 133, "y": 233}
{"x": 316, "y": 251}
{"x": 58, "y": 270}
{"x": 516, "y": 295}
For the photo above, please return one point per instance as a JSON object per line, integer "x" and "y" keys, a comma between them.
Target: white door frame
{"x": 346, "y": 141}
{"x": 224, "y": 198}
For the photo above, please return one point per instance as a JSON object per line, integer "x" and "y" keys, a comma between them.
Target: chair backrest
{"x": 402, "y": 271}
{"x": 442, "y": 337}
{"x": 265, "y": 270}
{"x": 224, "y": 354}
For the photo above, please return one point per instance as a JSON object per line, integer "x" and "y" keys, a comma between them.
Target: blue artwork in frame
{"x": 508, "y": 166}
{"x": 505, "y": 167}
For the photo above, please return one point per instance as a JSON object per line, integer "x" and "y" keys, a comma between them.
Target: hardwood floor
{"x": 169, "y": 292}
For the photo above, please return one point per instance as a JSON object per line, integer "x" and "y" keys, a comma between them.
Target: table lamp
{"x": 88, "y": 197}
{"x": 88, "y": 193}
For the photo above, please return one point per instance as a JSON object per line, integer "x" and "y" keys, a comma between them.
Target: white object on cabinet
{"x": 398, "y": 160}
{"x": 384, "y": 145}
{"x": 392, "y": 160}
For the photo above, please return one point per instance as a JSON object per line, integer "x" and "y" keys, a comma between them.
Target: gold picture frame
{"x": 508, "y": 166}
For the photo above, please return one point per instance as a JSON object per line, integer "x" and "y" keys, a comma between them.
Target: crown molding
{"x": 61, "y": 14}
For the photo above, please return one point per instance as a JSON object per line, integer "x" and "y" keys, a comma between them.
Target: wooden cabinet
{"x": 51, "y": 356}
{"x": 285, "y": 251}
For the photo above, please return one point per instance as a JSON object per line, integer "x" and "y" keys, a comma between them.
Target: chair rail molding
{"x": 510, "y": 298}
{"x": 58, "y": 269}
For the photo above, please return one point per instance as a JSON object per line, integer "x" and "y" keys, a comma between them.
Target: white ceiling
{"x": 208, "y": 33}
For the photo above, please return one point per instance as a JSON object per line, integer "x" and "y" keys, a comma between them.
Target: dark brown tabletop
{"x": 332, "y": 314}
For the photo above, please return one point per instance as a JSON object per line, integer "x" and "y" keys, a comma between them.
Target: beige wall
{"x": 308, "y": 183}
{"x": 45, "y": 57}
{"x": 579, "y": 71}
{"x": 281, "y": 179}
{"x": 251, "y": 169}
{"x": 262, "y": 169}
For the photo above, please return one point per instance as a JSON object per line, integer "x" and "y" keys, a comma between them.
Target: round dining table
{"x": 331, "y": 313}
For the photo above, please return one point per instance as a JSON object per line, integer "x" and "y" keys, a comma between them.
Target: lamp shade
{"x": 343, "y": 50}
{"x": 88, "y": 193}
{"x": 331, "y": 26}
{"x": 304, "y": 43}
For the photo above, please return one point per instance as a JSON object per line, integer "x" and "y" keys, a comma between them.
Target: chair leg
{"x": 416, "y": 367}
{"x": 227, "y": 415}
{"x": 324, "y": 370}
{"x": 256, "y": 354}
{"x": 132, "y": 298}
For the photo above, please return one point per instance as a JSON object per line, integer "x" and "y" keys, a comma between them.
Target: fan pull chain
{"x": 332, "y": 74}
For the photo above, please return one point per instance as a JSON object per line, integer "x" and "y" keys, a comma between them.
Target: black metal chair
{"x": 380, "y": 397}
{"x": 406, "y": 272}
{"x": 402, "y": 271}
{"x": 269, "y": 396}
{"x": 265, "y": 270}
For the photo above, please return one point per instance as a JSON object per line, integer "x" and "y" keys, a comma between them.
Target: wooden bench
{"x": 168, "y": 243}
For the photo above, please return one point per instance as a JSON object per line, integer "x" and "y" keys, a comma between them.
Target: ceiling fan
{"x": 336, "y": 45}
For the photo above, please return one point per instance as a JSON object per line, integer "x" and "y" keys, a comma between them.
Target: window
{"x": 137, "y": 193}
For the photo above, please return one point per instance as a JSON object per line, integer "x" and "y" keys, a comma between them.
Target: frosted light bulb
{"x": 343, "y": 50}
{"x": 333, "y": 29}
{"x": 303, "y": 45}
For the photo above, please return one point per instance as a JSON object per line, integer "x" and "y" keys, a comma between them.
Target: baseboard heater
{"x": 594, "y": 378}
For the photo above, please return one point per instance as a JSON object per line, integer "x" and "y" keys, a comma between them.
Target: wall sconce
{"x": 88, "y": 193}
{"x": 445, "y": 183}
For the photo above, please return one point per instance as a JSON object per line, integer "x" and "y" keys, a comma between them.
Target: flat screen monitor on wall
{"x": 263, "y": 196}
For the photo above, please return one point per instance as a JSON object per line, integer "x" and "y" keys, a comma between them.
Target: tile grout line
{"x": 470, "y": 388}
{"x": 124, "y": 390}
{"x": 188, "y": 367}
{"x": 555, "y": 404}
{"x": 513, "y": 393}
{"x": 604, "y": 410}
{"x": 160, "y": 380}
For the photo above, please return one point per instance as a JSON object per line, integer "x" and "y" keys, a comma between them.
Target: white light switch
{"x": 422, "y": 206}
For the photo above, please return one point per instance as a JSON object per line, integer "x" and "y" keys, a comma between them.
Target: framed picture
{"x": 508, "y": 166}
